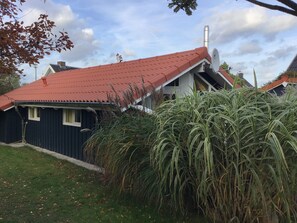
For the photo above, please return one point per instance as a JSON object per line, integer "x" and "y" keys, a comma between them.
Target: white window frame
{"x": 35, "y": 116}
{"x": 72, "y": 121}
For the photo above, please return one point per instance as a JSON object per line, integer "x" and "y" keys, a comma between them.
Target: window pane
{"x": 37, "y": 112}
{"x": 68, "y": 116}
{"x": 77, "y": 116}
{"x": 31, "y": 112}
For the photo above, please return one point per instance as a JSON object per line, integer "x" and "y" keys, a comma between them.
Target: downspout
{"x": 24, "y": 124}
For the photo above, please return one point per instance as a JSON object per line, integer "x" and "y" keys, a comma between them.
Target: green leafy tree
{"x": 26, "y": 44}
{"x": 286, "y": 6}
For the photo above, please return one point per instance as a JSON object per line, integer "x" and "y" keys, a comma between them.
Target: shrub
{"x": 230, "y": 154}
{"x": 122, "y": 144}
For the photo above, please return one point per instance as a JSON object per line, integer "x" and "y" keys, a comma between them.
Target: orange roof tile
{"x": 276, "y": 83}
{"x": 94, "y": 83}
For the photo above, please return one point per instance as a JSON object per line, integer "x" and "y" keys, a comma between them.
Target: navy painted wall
{"x": 51, "y": 134}
{"x": 280, "y": 90}
{"x": 10, "y": 126}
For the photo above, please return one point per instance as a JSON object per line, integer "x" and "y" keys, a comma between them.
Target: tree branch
{"x": 289, "y": 3}
{"x": 274, "y": 7}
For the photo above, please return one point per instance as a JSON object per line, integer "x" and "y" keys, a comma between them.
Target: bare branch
{"x": 289, "y": 3}
{"x": 274, "y": 7}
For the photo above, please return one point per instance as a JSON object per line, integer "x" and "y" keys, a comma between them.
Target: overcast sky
{"x": 247, "y": 37}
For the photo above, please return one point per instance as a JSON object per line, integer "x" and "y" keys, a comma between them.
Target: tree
{"x": 9, "y": 82}
{"x": 286, "y": 6}
{"x": 26, "y": 44}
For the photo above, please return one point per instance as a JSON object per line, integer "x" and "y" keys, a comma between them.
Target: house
{"x": 243, "y": 82}
{"x": 293, "y": 65}
{"x": 288, "y": 78}
{"x": 59, "y": 67}
{"x": 54, "y": 112}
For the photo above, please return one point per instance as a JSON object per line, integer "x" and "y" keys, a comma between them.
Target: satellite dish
{"x": 215, "y": 60}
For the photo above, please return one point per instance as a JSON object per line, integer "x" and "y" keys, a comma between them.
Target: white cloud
{"x": 85, "y": 43}
{"x": 284, "y": 51}
{"x": 62, "y": 15}
{"x": 251, "y": 47}
{"x": 239, "y": 23}
{"x": 88, "y": 33}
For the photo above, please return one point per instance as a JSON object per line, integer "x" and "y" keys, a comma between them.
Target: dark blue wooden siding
{"x": 51, "y": 134}
{"x": 280, "y": 90}
{"x": 10, "y": 126}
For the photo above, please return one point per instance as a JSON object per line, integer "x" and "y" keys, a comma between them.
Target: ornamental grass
{"x": 230, "y": 155}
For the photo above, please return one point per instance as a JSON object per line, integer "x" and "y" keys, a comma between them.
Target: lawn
{"x": 35, "y": 187}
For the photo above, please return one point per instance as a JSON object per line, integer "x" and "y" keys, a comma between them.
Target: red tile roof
{"x": 227, "y": 76}
{"x": 94, "y": 83}
{"x": 276, "y": 83}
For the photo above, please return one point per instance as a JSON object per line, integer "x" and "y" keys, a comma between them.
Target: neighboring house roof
{"x": 293, "y": 65}
{"x": 246, "y": 83}
{"x": 93, "y": 84}
{"x": 284, "y": 80}
{"x": 59, "y": 67}
{"x": 288, "y": 77}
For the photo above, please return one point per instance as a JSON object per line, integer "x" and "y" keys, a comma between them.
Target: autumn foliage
{"x": 26, "y": 44}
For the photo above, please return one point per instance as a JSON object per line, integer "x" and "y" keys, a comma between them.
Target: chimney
{"x": 206, "y": 36}
{"x": 44, "y": 81}
{"x": 61, "y": 63}
{"x": 240, "y": 74}
{"x": 119, "y": 58}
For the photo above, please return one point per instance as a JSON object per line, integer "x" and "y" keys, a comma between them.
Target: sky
{"x": 247, "y": 36}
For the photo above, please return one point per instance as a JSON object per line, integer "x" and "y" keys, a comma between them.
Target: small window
{"x": 167, "y": 97}
{"x": 174, "y": 83}
{"x": 34, "y": 114}
{"x": 72, "y": 117}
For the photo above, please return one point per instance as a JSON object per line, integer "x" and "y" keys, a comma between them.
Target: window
{"x": 167, "y": 97}
{"x": 34, "y": 114}
{"x": 174, "y": 83}
{"x": 72, "y": 117}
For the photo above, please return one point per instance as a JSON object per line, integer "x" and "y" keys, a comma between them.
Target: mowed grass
{"x": 36, "y": 187}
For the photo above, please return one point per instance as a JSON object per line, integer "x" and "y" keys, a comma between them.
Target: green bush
{"x": 122, "y": 145}
{"x": 230, "y": 154}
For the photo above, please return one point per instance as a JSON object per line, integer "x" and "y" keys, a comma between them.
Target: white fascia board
{"x": 54, "y": 107}
{"x": 224, "y": 78}
{"x": 8, "y": 108}
{"x": 49, "y": 68}
{"x": 283, "y": 84}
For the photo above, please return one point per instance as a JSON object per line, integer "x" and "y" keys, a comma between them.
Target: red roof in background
{"x": 227, "y": 76}
{"x": 278, "y": 82}
{"x": 94, "y": 83}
